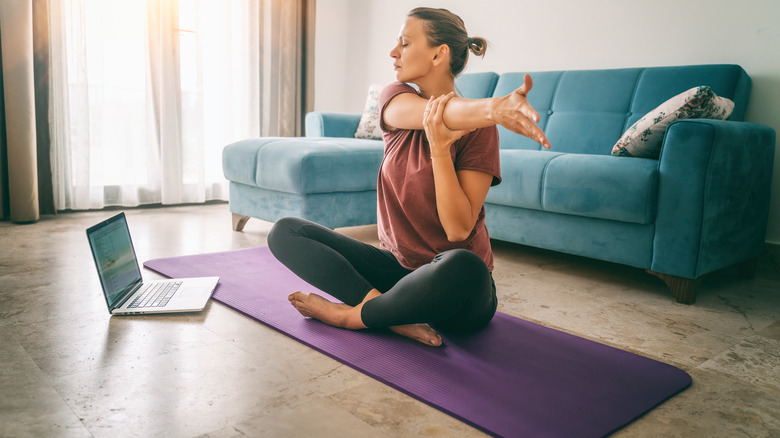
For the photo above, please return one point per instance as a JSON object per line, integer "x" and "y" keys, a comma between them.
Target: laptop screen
{"x": 115, "y": 258}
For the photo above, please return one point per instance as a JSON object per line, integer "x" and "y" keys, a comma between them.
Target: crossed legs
{"x": 454, "y": 292}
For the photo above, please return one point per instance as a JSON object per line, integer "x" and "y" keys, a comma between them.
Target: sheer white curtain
{"x": 145, "y": 94}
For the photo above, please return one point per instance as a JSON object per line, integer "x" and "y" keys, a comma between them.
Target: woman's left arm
{"x": 459, "y": 195}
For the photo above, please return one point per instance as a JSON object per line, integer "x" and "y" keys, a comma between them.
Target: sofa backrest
{"x": 586, "y": 111}
{"x": 476, "y": 85}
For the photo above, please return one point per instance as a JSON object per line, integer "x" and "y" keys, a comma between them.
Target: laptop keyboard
{"x": 156, "y": 295}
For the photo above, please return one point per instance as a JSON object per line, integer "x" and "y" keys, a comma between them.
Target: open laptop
{"x": 126, "y": 292}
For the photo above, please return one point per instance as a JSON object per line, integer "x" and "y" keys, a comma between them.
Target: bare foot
{"x": 336, "y": 314}
{"x": 419, "y": 332}
{"x": 342, "y": 315}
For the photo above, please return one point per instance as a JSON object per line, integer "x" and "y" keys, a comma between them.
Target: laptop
{"x": 126, "y": 292}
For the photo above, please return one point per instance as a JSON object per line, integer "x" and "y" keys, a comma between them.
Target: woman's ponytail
{"x": 478, "y": 46}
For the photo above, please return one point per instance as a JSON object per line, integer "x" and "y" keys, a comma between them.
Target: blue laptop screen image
{"x": 115, "y": 258}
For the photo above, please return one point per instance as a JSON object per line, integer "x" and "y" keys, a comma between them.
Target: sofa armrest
{"x": 713, "y": 195}
{"x": 331, "y": 124}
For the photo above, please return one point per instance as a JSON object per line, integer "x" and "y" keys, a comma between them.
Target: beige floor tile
{"x": 179, "y": 394}
{"x": 755, "y": 360}
{"x": 29, "y": 405}
{"x": 396, "y": 414}
{"x": 714, "y": 406}
{"x": 69, "y": 369}
{"x": 317, "y": 417}
{"x": 772, "y": 331}
{"x": 68, "y": 346}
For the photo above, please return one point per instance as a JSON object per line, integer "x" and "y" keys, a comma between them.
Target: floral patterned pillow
{"x": 644, "y": 138}
{"x": 369, "y": 121}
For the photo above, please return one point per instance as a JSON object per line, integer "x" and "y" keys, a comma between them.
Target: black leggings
{"x": 455, "y": 292}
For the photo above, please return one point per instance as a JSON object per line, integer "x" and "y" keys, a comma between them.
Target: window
{"x": 145, "y": 94}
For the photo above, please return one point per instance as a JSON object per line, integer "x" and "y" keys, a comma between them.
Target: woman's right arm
{"x": 512, "y": 111}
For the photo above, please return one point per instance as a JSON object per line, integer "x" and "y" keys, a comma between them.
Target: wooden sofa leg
{"x": 747, "y": 269}
{"x": 684, "y": 289}
{"x": 239, "y": 222}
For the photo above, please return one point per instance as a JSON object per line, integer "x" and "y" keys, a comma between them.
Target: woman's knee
{"x": 281, "y": 232}
{"x": 461, "y": 262}
{"x": 460, "y": 274}
{"x": 468, "y": 282}
{"x": 278, "y": 230}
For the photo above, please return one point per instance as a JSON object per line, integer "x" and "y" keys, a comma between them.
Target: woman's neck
{"x": 436, "y": 87}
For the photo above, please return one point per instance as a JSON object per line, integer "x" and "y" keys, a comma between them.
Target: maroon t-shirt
{"x": 408, "y": 221}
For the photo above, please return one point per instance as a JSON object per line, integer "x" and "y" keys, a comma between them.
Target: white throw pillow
{"x": 644, "y": 138}
{"x": 369, "y": 121}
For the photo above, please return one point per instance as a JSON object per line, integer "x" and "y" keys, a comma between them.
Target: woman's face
{"x": 412, "y": 57}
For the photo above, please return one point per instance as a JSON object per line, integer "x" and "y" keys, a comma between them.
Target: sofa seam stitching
{"x": 257, "y": 158}
{"x": 705, "y": 190}
{"x": 552, "y": 102}
{"x": 648, "y": 219}
{"x": 633, "y": 96}
{"x": 544, "y": 181}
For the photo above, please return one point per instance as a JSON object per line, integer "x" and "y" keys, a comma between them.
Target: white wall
{"x": 354, "y": 38}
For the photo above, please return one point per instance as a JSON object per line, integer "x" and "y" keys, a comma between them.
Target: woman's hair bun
{"x": 478, "y": 46}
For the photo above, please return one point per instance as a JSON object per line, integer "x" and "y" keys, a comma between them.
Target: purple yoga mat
{"x": 514, "y": 378}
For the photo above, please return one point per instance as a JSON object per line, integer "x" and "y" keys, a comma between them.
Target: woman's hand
{"x": 440, "y": 137}
{"x": 514, "y": 113}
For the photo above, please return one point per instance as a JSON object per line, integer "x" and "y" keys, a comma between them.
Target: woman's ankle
{"x": 373, "y": 293}
{"x": 354, "y": 318}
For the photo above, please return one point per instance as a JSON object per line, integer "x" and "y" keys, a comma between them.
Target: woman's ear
{"x": 442, "y": 54}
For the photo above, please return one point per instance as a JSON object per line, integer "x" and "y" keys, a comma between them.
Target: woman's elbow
{"x": 458, "y": 235}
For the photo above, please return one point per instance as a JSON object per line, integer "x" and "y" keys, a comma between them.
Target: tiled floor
{"x": 68, "y": 369}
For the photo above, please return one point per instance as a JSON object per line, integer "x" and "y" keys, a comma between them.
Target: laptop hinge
{"x": 131, "y": 290}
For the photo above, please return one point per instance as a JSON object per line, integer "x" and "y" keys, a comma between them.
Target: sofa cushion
{"x": 603, "y": 187}
{"x": 597, "y": 186}
{"x": 331, "y": 124}
{"x": 580, "y": 111}
{"x": 587, "y": 111}
{"x": 644, "y": 138}
{"x": 540, "y": 97}
{"x": 659, "y": 84}
{"x": 369, "y": 121}
{"x": 304, "y": 165}
{"x": 476, "y": 85}
{"x": 522, "y": 173}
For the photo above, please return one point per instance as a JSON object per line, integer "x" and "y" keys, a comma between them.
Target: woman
{"x": 441, "y": 157}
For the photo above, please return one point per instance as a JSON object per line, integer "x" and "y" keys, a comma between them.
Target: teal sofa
{"x": 701, "y": 206}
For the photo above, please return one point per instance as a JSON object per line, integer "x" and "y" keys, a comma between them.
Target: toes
{"x": 434, "y": 340}
{"x": 422, "y": 333}
{"x": 296, "y": 299}
{"x": 433, "y": 337}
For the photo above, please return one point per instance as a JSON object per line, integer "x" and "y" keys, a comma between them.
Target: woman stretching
{"x": 441, "y": 156}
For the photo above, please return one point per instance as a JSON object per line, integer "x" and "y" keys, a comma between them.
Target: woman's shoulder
{"x": 401, "y": 86}
{"x": 394, "y": 89}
